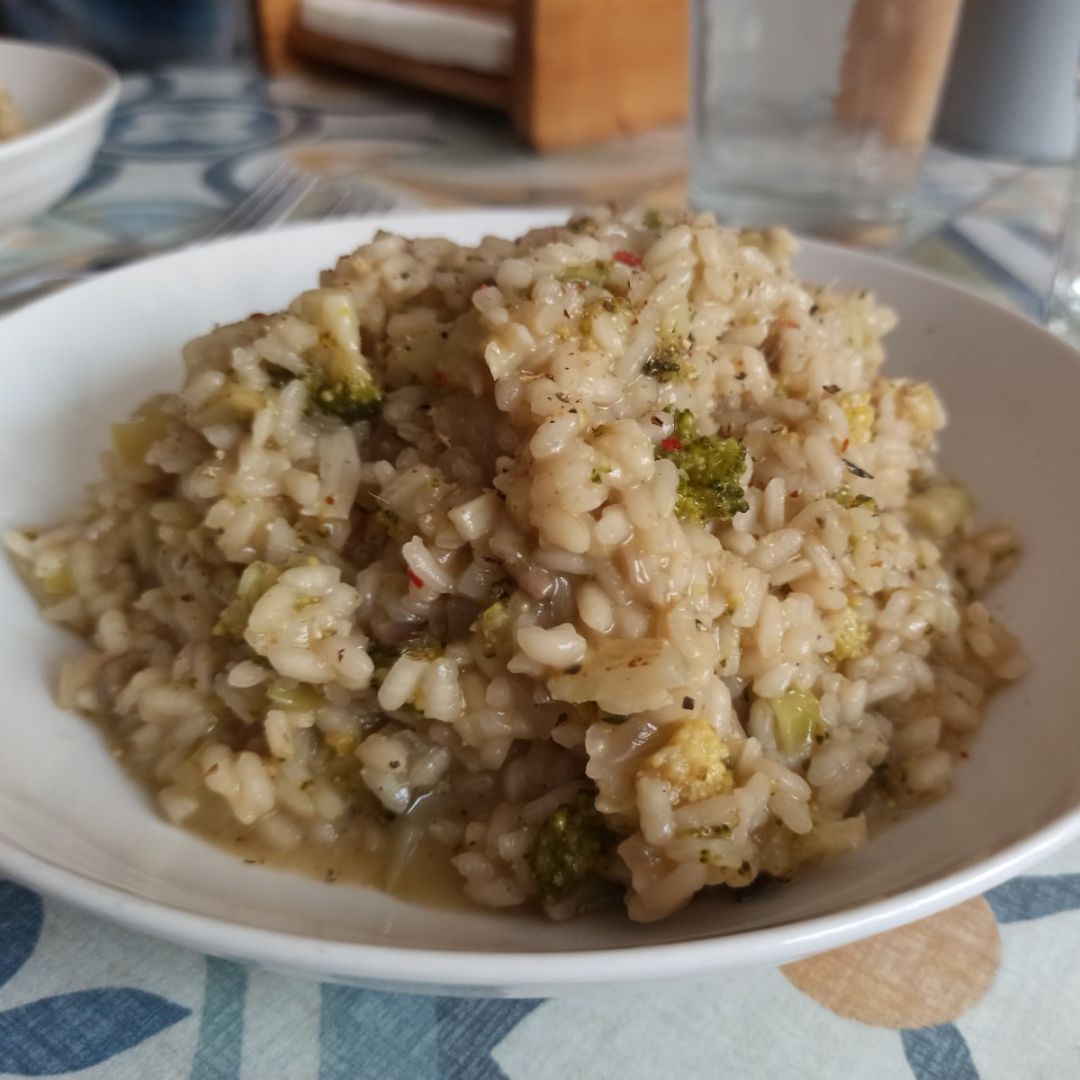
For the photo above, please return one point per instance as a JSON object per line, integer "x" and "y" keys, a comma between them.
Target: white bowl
{"x": 72, "y": 825}
{"x": 64, "y": 99}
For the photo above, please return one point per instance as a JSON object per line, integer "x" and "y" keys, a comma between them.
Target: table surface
{"x": 987, "y": 989}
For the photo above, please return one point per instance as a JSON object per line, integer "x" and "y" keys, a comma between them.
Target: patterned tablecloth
{"x": 988, "y": 989}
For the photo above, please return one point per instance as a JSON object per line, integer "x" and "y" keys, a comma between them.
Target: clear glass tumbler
{"x": 1063, "y": 304}
{"x": 815, "y": 113}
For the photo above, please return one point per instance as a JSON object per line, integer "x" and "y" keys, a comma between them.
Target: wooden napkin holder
{"x": 583, "y": 71}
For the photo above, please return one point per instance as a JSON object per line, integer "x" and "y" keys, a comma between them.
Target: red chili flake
{"x": 416, "y": 579}
{"x": 791, "y": 324}
{"x": 795, "y": 494}
{"x": 964, "y": 754}
{"x": 844, "y": 445}
{"x": 627, "y": 258}
{"x": 439, "y": 378}
{"x": 672, "y": 442}
{"x": 329, "y": 500}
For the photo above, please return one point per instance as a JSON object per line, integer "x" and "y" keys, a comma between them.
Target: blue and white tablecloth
{"x": 989, "y": 989}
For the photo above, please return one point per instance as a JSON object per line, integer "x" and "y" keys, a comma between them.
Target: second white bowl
{"x": 65, "y": 99}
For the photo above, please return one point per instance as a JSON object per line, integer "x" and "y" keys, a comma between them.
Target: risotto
{"x": 600, "y": 562}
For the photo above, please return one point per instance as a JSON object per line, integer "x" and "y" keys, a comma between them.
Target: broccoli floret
{"x": 340, "y": 381}
{"x": 665, "y": 364}
{"x": 351, "y": 397}
{"x": 594, "y": 273}
{"x": 861, "y": 417}
{"x": 493, "y": 625}
{"x": 571, "y": 849}
{"x": 694, "y": 763}
{"x": 709, "y": 471}
{"x": 850, "y": 501}
{"x": 494, "y": 622}
{"x": 253, "y": 582}
{"x": 852, "y": 637}
{"x": 672, "y": 346}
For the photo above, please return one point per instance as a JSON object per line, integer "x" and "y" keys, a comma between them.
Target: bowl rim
{"x": 423, "y": 969}
{"x": 100, "y": 100}
{"x": 531, "y": 974}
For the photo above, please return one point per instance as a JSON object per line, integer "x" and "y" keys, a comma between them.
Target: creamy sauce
{"x": 428, "y": 876}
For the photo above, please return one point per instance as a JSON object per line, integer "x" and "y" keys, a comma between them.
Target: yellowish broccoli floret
{"x": 340, "y": 381}
{"x": 852, "y": 637}
{"x": 918, "y": 404}
{"x": 340, "y": 742}
{"x": 495, "y": 622}
{"x": 694, "y": 762}
{"x": 860, "y": 416}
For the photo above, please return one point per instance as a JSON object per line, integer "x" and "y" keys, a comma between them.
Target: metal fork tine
{"x": 343, "y": 203}
{"x": 358, "y": 201}
{"x": 275, "y": 210}
{"x": 351, "y": 201}
{"x": 270, "y": 199}
{"x": 265, "y": 188}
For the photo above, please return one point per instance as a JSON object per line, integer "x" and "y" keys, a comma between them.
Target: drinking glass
{"x": 815, "y": 113}
{"x": 1063, "y": 305}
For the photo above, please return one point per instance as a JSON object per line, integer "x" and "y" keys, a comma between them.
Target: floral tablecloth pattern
{"x": 989, "y": 989}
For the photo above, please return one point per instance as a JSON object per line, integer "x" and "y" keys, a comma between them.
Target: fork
{"x": 267, "y": 204}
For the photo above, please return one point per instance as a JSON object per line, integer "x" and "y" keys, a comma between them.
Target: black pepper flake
{"x": 657, "y": 421}
{"x": 573, "y": 669}
{"x": 395, "y": 764}
{"x": 688, "y": 703}
{"x": 856, "y": 470}
{"x": 831, "y": 388}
